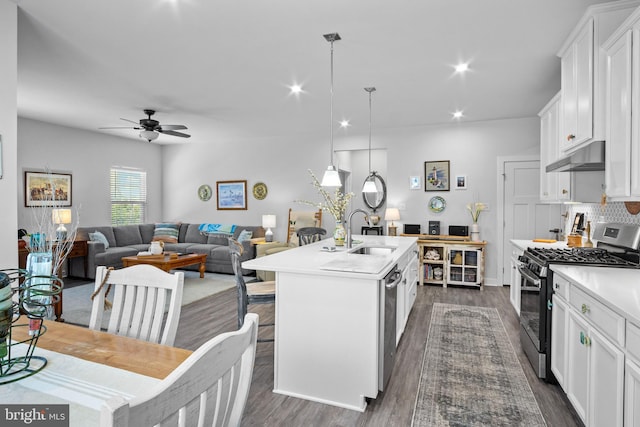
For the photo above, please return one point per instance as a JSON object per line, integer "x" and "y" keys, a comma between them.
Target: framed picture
{"x": 232, "y": 195}
{"x": 414, "y": 183}
{"x": 461, "y": 182}
{"x": 436, "y": 176}
{"x": 47, "y": 189}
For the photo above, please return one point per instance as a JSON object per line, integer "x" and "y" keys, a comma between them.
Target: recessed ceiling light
{"x": 295, "y": 89}
{"x": 344, "y": 123}
{"x": 462, "y": 67}
{"x": 457, "y": 114}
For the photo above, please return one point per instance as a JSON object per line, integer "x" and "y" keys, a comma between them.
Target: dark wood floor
{"x": 216, "y": 314}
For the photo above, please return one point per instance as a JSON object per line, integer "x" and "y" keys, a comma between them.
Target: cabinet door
{"x": 635, "y": 113}
{"x": 559, "y": 315}
{"x": 577, "y": 372}
{"x": 549, "y": 135}
{"x": 632, "y": 394}
{"x": 618, "y": 108}
{"x": 606, "y": 382}
{"x": 577, "y": 88}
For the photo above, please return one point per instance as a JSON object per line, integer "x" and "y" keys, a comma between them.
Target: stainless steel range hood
{"x": 588, "y": 158}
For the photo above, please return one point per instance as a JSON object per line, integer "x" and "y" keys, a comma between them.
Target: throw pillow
{"x": 245, "y": 235}
{"x": 166, "y": 232}
{"x": 99, "y": 237}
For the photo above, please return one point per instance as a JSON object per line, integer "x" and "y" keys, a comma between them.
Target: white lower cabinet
{"x": 560, "y": 317}
{"x": 588, "y": 364}
{"x": 632, "y": 394}
{"x": 515, "y": 279}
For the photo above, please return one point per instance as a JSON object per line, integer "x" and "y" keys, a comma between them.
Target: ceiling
{"x": 223, "y": 68}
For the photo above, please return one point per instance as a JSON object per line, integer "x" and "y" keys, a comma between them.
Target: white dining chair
{"x": 139, "y": 296}
{"x": 210, "y": 388}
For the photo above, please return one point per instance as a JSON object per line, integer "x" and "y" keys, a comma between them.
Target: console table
{"x": 78, "y": 249}
{"x": 450, "y": 260}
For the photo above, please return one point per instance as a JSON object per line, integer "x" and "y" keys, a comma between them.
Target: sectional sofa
{"x": 128, "y": 240}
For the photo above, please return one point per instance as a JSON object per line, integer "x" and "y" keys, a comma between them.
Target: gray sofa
{"x": 128, "y": 240}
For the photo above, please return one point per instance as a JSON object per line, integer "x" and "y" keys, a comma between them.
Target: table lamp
{"x": 268, "y": 222}
{"x": 392, "y": 214}
{"x": 61, "y": 217}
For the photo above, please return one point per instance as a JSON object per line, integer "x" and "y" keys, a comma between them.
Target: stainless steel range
{"x": 617, "y": 246}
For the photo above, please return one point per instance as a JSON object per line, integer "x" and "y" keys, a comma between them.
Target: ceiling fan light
{"x": 149, "y": 135}
{"x": 331, "y": 177}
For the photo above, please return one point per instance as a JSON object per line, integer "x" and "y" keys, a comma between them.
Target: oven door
{"x": 533, "y": 296}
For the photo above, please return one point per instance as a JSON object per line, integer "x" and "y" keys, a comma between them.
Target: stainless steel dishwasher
{"x": 387, "y": 350}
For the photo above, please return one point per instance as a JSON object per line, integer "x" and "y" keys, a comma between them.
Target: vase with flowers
{"x": 474, "y": 209}
{"x": 336, "y": 204}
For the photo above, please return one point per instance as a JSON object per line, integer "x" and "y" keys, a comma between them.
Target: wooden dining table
{"x": 85, "y": 368}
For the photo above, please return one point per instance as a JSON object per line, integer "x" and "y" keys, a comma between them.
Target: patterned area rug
{"x": 471, "y": 375}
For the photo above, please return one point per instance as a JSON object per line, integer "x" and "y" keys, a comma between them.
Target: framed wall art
{"x": 47, "y": 189}
{"x": 232, "y": 195}
{"x": 436, "y": 176}
{"x": 414, "y": 183}
{"x": 461, "y": 182}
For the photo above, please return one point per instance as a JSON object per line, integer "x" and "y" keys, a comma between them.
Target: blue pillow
{"x": 99, "y": 237}
{"x": 245, "y": 235}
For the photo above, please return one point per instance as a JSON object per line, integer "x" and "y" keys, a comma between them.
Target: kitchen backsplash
{"x": 594, "y": 212}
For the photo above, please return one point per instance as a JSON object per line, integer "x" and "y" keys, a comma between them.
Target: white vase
{"x": 339, "y": 234}
{"x": 156, "y": 248}
{"x": 475, "y": 232}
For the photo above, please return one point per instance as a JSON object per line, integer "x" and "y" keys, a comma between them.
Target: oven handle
{"x": 527, "y": 274}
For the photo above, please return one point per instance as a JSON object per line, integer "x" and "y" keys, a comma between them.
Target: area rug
{"x": 77, "y": 299}
{"x": 470, "y": 374}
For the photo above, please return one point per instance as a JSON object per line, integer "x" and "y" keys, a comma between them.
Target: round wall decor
{"x": 260, "y": 190}
{"x": 437, "y": 204}
{"x": 204, "y": 192}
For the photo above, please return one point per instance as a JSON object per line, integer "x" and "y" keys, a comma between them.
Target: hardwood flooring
{"x": 208, "y": 317}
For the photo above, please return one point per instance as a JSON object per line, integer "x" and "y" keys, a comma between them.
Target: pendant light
{"x": 370, "y": 183}
{"x": 331, "y": 177}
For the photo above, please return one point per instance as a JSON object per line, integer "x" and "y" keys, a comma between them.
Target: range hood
{"x": 587, "y": 158}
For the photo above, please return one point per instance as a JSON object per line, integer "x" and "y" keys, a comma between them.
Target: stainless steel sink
{"x": 373, "y": 250}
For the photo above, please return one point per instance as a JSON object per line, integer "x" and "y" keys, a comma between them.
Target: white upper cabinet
{"x": 554, "y": 186}
{"x": 583, "y": 74}
{"x": 622, "y": 157}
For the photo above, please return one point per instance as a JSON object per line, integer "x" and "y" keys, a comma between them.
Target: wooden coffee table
{"x": 168, "y": 262}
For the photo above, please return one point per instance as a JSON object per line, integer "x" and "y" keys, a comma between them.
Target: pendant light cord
{"x": 369, "y": 131}
{"x": 331, "y": 110}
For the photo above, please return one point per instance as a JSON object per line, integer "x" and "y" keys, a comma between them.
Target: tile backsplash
{"x": 594, "y": 212}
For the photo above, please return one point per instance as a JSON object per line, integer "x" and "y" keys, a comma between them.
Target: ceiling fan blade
{"x": 172, "y": 127}
{"x": 174, "y": 133}
{"x": 130, "y": 121}
{"x": 122, "y": 127}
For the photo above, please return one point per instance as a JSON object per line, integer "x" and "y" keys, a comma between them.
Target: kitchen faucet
{"x": 366, "y": 214}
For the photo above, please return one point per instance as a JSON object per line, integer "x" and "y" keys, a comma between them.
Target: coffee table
{"x": 167, "y": 261}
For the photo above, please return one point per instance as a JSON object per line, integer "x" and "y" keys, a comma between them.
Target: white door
{"x": 606, "y": 382}
{"x": 525, "y": 216}
{"x": 559, "y": 319}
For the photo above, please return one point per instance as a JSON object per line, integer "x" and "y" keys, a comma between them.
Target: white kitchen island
{"x": 330, "y": 317}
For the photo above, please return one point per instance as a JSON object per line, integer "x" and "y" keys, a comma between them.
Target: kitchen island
{"x": 330, "y": 316}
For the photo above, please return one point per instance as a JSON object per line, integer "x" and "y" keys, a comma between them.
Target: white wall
{"x": 8, "y": 132}
{"x": 88, "y": 156}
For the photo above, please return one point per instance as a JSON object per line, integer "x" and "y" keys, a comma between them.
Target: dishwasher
{"x": 388, "y": 311}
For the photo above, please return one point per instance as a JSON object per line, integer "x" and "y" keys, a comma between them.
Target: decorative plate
{"x": 260, "y": 190}
{"x": 437, "y": 204}
{"x": 204, "y": 192}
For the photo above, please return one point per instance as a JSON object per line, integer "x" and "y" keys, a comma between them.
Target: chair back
{"x": 310, "y": 234}
{"x": 300, "y": 219}
{"x": 139, "y": 295}
{"x": 235, "y": 248}
{"x": 210, "y": 388}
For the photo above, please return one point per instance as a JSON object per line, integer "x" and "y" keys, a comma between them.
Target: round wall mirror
{"x": 374, "y": 201}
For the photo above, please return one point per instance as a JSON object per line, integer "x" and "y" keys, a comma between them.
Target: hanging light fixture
{"x": 370, "y": 183}
{"x": 331, "y": 177}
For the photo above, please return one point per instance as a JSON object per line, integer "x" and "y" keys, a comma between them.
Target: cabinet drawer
{"x": 602, "y": 317}
{"x": 633, "y": 341}
{"x": 561, "y": 286}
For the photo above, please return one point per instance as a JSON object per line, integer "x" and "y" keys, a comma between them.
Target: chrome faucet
{"x": 366, "y": 214}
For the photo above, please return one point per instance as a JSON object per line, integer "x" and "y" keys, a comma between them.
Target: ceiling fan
{"x": 150, "y": 128}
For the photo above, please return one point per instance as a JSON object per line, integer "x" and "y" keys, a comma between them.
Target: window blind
{"x": 128, "y": 196}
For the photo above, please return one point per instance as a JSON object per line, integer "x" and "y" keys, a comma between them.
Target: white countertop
{"x": 617, "y": 288}
{"x": 524, "y": 244}
{"x": 313, "y": 259}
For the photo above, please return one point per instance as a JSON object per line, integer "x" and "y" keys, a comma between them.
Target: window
{"x": 128, "y": 196}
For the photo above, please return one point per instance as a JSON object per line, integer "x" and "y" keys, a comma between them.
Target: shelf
{"x": 459, "y": 263}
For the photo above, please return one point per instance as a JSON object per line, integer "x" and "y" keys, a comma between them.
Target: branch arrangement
{"x": 336, "y": 205}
